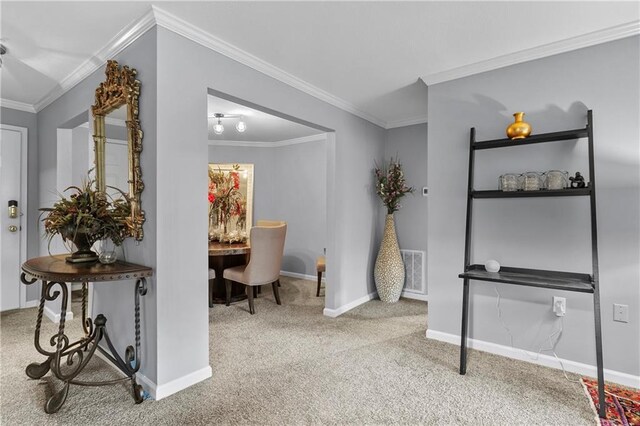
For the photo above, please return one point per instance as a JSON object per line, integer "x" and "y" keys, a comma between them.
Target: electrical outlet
{"x": 425, "y": 191}
{"x": 559, "y": 306}
{"x": 620, "y": 313}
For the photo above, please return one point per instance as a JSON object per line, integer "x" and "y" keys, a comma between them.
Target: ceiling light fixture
{"x": 218, "y": 128}
{"x": 241, "y": 126}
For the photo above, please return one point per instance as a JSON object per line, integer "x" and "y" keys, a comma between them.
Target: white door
{"x": 12, "y": 147}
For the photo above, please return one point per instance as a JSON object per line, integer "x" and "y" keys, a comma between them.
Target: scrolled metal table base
{"x": 68, "y": 359}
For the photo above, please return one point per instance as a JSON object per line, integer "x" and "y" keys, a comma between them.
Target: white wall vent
{"x": 414, "y": 267}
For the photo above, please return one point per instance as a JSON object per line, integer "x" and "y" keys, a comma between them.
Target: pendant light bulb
{"x": 241, "y": 126}
{"x": 218, "y": 128}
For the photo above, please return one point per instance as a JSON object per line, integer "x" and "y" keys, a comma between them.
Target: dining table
{"x": 222, "y": 256}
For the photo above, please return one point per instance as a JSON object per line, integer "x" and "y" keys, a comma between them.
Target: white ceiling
{"x": 365, "y": 57}
{"x": 261, "y": 127}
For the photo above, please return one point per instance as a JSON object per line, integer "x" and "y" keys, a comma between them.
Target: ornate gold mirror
{"x": 118, "y": 140}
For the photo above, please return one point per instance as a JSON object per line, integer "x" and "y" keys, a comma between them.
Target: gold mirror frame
{"x": 120, "y": 88}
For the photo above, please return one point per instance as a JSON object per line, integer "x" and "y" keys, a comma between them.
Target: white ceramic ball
{"x": 492, "y": 265}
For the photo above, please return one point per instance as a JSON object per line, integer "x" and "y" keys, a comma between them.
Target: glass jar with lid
{"x": 533, "y": 181}
{"x": 557, "y": 179}
{"x": 509, "y": 182}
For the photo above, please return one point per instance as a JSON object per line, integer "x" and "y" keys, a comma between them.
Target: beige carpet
{"x": 290, "y": 365}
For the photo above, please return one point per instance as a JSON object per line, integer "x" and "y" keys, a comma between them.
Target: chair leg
{"x": 278, "y": 281}
{"x": 319, "y": 281}
{"x": 255, "y": 291}
{"x": 276, "y": 292}
{"x": 227, "y": 290}
{"x": 250, "y": 297}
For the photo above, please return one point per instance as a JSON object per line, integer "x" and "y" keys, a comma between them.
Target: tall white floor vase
{"x": 389, "y": 270}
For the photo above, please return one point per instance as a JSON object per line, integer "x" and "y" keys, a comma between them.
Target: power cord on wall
{"x": 557, "y": 334}
{"x": 552, "y": 339}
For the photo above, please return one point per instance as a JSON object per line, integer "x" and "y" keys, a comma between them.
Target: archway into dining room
{"x": 265, "y": 169}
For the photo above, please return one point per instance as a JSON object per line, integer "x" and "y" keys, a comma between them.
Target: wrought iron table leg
{"x": 465, "y": 323}
{"x": 80, "y": 352}
{"x": 37, "y": 371}
{"x": 58, "y": 399}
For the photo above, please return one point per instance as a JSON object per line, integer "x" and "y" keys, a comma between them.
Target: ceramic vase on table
{"x": 389, "y": 269}
{"x": 83, "y": 242}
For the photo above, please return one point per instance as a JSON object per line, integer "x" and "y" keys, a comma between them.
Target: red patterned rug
{"x": 623, "y": 404}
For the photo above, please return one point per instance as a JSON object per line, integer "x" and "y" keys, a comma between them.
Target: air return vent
{"x": 414, "y": 267}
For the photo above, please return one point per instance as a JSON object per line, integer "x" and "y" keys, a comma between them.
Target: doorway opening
{"x": 290, "y": 161}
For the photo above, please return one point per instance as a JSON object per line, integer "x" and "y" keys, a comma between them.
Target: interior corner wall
{"x": 545, "y": 233}
{"x": 289, "y": 184}
{"x": 186, "y": 70}
{"x": 409, "y": 145}
{"x": 114, "y": 299}
{"x": 29, "y": 120}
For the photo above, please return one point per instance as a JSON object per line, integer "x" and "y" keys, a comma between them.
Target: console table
{"x": 55, "y": 271}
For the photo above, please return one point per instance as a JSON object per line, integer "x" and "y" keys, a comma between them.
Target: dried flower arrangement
{"x": 391, "y": 185}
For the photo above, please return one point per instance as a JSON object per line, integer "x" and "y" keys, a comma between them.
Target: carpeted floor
{"x": 290, "y": 365}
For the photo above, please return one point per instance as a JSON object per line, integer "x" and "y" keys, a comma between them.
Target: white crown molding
{"x": 197, "y": 35}
{"x": 590, "y": 39}
{"x": 251, "y": 144}
{"x": 117, "y": 44}
{"x": 406, "y": 122}
{"x": 277, "y": 144}
{"x": 20, "y": 106}
{"x": 304, "y": 139}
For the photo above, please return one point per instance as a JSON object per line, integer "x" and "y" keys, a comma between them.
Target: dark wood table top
{"x": 55, "y": 268}
{"x": 224, "y": 249}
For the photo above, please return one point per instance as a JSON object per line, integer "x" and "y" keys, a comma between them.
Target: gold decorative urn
{"x": 519, "y": 129}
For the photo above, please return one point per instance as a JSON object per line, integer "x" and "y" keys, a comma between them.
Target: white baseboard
{"x": 30, "y": 304}
{"x": 415, "y": 296}
{"x": 344, "y": 308}
{"x": 313, "y": 278}
{"x": 159, "y": 392}
{"x": 55, "y": 317}
{"x": 545, "y": 360}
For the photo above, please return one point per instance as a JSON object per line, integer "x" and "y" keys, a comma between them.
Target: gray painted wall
{"x": 555, "y": 92}
{"x": 301, "y": 179}
{"x": 115, "y": 299}
{"x": 290, "y": 185}
{"x": 29, "y": 120}
{"x": 80, "y": 153}
{"x": 409, "y": 144}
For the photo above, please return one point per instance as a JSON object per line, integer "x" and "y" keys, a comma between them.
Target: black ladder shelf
{"x": 556, "y": 280}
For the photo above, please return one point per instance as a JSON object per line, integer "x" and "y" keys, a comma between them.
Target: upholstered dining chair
{"x": 321, "y": 266}
{"x": 267, "y": 246}
{"x": 270, "y": 223}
